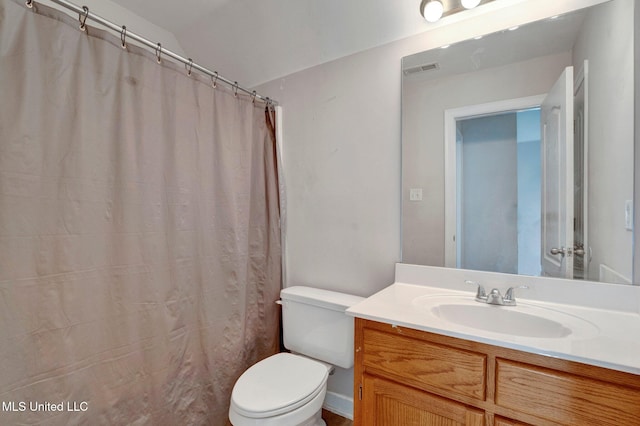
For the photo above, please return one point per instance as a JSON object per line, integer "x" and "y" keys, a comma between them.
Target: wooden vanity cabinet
{"x": 407, "y": 377}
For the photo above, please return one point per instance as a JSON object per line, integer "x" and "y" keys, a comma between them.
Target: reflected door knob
{"x": 555, "y": 251}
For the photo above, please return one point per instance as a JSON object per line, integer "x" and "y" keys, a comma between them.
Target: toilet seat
{"x": 277, "y": 385}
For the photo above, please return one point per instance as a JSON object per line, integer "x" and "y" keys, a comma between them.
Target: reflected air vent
{"x": 421, "y": 68}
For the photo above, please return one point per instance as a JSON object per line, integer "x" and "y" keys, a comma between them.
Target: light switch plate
{"x": 415, "y": 194}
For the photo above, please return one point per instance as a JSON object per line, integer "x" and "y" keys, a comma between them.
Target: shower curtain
{"x": 139, "y": 231}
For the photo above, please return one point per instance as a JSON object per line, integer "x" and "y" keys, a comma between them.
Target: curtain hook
{"x": 214, "y": 83}
{"x": 190, "y": 64}
{"x": 83, "y": 19}
{"x": 123, "y": 36}
{"x": 253, "y": 97}
{"x": 158, "y": 52}
{"x": 29, "y": 4}
{"x": 235, "y": 89}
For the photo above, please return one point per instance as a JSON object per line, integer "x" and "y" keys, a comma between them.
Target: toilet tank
{"x": 314, "y": 323}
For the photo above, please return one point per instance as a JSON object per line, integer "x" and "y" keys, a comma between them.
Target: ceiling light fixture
{"x": 470, "y": 4}
{"x": 431, "y": 10}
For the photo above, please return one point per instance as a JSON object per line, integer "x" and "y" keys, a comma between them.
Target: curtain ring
{"x": 253, "y": 97}
{"x": 123, "y": 36}
{"x": 83, "y": 19}
{"x": 29, "y": 4}
{"x": 190, "y": 64}
{"x": 214, "y": 83}
{"x": 158, "y": 52}
{"x": 235, "y": 89}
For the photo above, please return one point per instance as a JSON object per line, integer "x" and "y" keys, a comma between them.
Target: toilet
{"x": 288, "y": 389}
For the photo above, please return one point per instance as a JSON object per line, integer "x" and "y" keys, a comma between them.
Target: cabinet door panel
{"x": 501, "y": 421}
{"x": 564, "y": 398}
{"x": 389, "y": 404}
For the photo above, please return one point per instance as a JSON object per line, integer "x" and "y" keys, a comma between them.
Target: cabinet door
{"x": 501, "y": 421}
{"x": 386, "y": 403}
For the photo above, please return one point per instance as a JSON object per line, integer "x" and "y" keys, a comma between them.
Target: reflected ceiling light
{"x": 431, "y": 10}
{"x": 470, "y": 4}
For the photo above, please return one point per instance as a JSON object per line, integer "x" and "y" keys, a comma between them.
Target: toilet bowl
{"x": 288, "y": 389}
{"x": 284, "y": 389}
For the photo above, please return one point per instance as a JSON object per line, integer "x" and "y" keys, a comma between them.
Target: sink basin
{"x": 499, "y": 319}
{"x": 524, "y": 320}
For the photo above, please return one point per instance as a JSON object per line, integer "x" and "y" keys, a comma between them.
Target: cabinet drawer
{"x": 564, "y": 398}
{"x": 423, "y": 365}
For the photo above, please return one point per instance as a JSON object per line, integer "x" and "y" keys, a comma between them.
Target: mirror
{"x": 474, "y": 192}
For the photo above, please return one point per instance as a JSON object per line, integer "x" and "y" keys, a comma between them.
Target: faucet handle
{"x": 481, "y": 294}
{"x": 509, "y": 294}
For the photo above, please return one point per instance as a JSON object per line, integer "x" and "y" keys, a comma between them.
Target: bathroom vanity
{"x": 406, "y": 376}
{"x": 424, "y": 355}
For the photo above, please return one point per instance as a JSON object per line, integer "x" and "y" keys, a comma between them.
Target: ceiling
{"x": 255, "y": 41}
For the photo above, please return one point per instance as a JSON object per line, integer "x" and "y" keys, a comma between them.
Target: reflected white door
{"x": 556, "y": 120}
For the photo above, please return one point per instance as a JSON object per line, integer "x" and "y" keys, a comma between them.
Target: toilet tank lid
{"x": 319, "y": 297}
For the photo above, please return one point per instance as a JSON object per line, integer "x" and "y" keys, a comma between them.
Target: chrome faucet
{"x": 494, "y": 297}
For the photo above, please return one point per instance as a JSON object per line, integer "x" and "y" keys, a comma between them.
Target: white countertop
{"x": 603, "y": 337}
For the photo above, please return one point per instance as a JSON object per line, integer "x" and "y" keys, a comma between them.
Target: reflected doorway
{"x": 503, "y": 249}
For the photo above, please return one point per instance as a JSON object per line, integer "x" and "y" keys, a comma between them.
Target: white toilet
{"x": 288, "y": 389}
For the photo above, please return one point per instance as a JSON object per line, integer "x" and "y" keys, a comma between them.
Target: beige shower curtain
{"x": 139, "y": 231}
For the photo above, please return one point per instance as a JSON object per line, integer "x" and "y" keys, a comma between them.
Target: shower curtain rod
{"x": 85, "y": 14}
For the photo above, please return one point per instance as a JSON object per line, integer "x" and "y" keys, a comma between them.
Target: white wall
{"x": 607, "y": 42}
{"x": 488, "y": 185}
{"x": 636, "y": 152}
{"x": 529, "y": 195}
{"x": 119, "y": 15}
{"x": 342, "y": 154}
